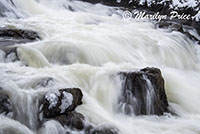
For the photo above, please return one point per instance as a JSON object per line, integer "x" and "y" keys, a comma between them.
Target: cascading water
{"x": 83, "y": 46}
{"x": 149, "y": 96}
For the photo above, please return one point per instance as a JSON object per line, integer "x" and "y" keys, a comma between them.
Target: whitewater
{"x": 83, "y": 45}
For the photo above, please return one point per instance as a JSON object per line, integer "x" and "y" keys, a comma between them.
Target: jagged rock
{"x": 61, "y": 102}
{"x": 5, "y": 104}
{"x": 143, "y": 92}
{"x": 73, "y": 120}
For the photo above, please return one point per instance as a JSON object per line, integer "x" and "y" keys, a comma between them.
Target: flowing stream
{"x": 82, "y": 46}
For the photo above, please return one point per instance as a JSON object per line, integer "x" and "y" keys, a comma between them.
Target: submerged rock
{"x": 43, "y": 82}
{"x": 72, "y": 120}
{"x": 9, "y": 54}
{"x": 61, "y": 102}
{"x": 143, "y": 92}
{"x": 104, "y": 129}
{"x": 76, "y": 122}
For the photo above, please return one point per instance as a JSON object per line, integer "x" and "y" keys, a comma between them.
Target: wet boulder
{"x": 72, "y": 120}
{"x": 104, "y": 129}
{"x": 77, "y": 122}
{"x": 11, "y": 36}
{"x": 5, "y": 104}
{"x": 61, "y": 102}
{"x": 143, "y": 92}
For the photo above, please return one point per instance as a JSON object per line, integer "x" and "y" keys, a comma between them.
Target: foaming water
{"x": 83, "y": 46}
{"x": 9, "y": 126}
{"x": 32, "y": 57}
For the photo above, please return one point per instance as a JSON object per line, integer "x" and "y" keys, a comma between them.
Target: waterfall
{"x": 86, "y": 46}
{"x": 149, "y": 96}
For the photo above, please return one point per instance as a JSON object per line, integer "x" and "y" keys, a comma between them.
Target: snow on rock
{"x": 187, "y": 3}
{"x": 52, "y": 98}
{"x": 173, "y": 3}
{"x": 66, "y": 101}
{"x": 60, "y": 102}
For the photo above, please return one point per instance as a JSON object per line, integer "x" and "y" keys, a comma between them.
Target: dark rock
{"x": 164, "y": 7}
{"x": 122, "y": 3}
{"x": 143, "y": 92}
{"x": 76, "y": 121}
{"x": 104, "y": 129}
{"x": 5, "y": 104}
{"x": 73, "y": 120}
{"x": 61, "y": 102}
{"x": 15, "y": 36}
